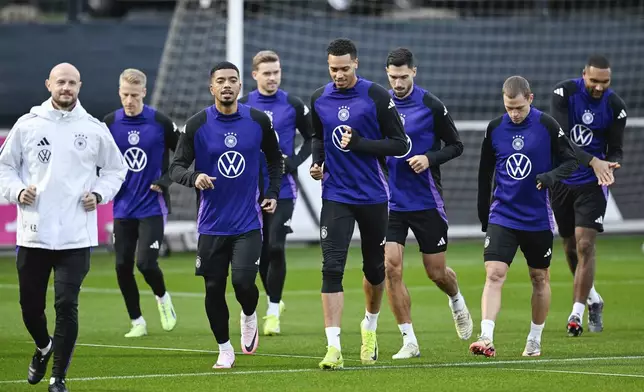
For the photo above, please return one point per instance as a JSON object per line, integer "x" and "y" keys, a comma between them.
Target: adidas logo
{"x": 45, "y": 142}
{"x": 441, "y": 242}
{"x": 599, "y": 220}
{"x": 622, "y": 114}
{"x": 384, "y": 240}
{"x": 391, "y": 104}
{"x": 548, "y": 253}
{"x": 559, "y": 92}
{"x": 155, "y": 245}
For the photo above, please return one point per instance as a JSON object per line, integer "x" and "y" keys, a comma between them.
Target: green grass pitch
{"x": 181, "y": 360}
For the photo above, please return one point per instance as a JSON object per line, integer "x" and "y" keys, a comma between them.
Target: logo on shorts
{"x": 518, "y": 143}
{"x": 198, "y": 262}
{"x": 323, "y": 232}
{"x": 230, "y": 139}
{"x": 587, "y": 117}
{"x": 487, "y": 242}
{"x": 343, "y": 113}
{"x": 133, "y": 137}
{"x": 518, "y": 166}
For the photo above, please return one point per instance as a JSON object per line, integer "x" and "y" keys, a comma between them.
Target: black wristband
{"x": 99, "y": 198}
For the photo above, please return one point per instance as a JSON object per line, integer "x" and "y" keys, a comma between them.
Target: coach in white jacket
{"x": 48, "y": 166}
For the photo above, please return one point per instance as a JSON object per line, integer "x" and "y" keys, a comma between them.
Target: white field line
{"x": 574, "y": 372}
{"x": 190, "y": 350}
{"x": 377, "y": 367}
{"x": 429, "y": 287}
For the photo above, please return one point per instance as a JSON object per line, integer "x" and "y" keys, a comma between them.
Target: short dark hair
{"x": 342, "y": 46}
{"x": 598, "y": 61}
{"x": 515, "y": 86}
{"x": 399, "y": 57}
{"x": 223, "y": 65}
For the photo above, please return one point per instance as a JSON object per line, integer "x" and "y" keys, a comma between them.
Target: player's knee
{"x": 147, "y": 266}
{"x": 332, "y": 280}
{"x": 437, "y": 273}
{"x": 585, "y": 247}
{"x": 374, "y": 273}
{"x": 393, "y": 271}
{"x": 495, "y": 275}
{"x": 276, "y": 252}
{"x": 539, "y": 278}
{"x": 123, "y": 269}
{"x": 66, "y": 302}
{"x": 215, "y": 286}
{"x": 32, "y": 309}
{"x": 435, "y": 268}
{"x": 393, "y": 261}
{"x": 243, "y": 279}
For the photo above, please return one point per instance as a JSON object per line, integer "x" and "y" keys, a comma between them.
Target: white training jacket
{"x": 59, "y": 153}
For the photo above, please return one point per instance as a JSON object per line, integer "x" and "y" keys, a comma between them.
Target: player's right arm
{"x": 445, "y": 129}
{"x": 394, "y": 141}
{"x": 486, "y": 173}
{"x": 559, "y": 110}
{"x": 317, "y": 144}
{"x": 564, "y": 157}
{"x": 10, "y": 163}
{"x": 171, "y": 138}
{"x": 185, "y": 153}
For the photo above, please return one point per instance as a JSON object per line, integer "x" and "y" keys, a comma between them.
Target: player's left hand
{"x": 156, "y": 188}
{"x": 418, "y": 163}
{"x": 346, "y": 136}
{"x": 269, "y": 205}
{"x": 89, "y": 201}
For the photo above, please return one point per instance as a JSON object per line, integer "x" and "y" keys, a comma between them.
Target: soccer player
{"x": 48, "y": 168}
{"x": 225, "y": 141}
{"x": 416, "y": 202}
{"x": 594, "y": 117}
{"x": 141, "y": 207}
{"x": 356, "y": 126}
{"x": 288, "y": 114}
{"x": 529, "y": 152}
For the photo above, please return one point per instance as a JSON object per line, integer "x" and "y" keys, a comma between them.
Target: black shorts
{"x": 501, "y": 244}
{"x": 337, "y": 222}
{"x": 278, "y": 224}
{"x": 148, "y": 233}
{"x": 579, "y": 206}
{"x": 215, "y": 253}
{"x": 429, "y": 228}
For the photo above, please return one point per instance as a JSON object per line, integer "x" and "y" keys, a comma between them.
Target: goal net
{"x": 465, "y": 50}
